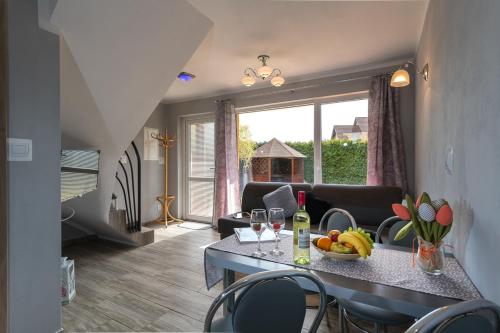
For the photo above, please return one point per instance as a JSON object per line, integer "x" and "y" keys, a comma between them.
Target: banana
{"x": 363, "y": 240}
{"x": 351, "y": 239}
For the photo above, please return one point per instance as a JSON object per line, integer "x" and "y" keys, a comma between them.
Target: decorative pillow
{"x": 316, "y": 207}
{"x": 282, "y": 197}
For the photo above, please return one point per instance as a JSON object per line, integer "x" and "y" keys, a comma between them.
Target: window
{"x": 200, "y": 162}
{"x": 278, "y": 145}
{"x": 344, "y": 140}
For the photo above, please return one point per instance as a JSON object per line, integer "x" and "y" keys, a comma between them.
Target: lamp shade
{"x": 247, "y": 80}
{"x": 264, "y": 71}
{"x": 400, "y": 78}
{"x": 277, "y": 81}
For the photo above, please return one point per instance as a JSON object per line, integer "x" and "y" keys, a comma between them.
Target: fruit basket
{"x": 348, "y": 245}
{"x": 335, "y": 255}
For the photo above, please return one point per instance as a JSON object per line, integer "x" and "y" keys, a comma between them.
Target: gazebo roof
{"x": 276, "y": 149}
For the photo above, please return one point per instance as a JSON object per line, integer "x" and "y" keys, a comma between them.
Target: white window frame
{"x": 185, "y": 165}
{"x": 317, "y": 103}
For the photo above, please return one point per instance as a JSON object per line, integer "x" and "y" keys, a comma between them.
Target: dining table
{"x": 387, "y": 279}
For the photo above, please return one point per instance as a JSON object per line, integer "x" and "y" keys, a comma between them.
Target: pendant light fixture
{"x": 263, "y": 72}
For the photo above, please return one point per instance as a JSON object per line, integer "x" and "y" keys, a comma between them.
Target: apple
{"x": 334, "y": 235}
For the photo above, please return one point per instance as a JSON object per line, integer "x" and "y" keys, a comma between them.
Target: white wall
{"x": 289, "y": 92}
{"x": 34, "y": 187}
{"x": 459, "y": 108}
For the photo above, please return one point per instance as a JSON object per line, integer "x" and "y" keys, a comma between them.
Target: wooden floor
{"x": 155, "y": 288}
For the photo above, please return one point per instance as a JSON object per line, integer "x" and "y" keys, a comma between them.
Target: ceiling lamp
{"x": 263, "y": 72}
{"x": 401, "y": 78}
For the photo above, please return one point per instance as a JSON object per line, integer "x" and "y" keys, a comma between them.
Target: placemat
{"x": 385, "y": 266}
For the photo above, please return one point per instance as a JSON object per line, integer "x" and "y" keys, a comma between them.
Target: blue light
{"x": 186, "y": 77}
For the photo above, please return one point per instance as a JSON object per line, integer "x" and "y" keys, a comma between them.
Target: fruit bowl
{"x": 335, "y": 255}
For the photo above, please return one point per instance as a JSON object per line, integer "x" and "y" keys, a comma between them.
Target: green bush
{"x": 343, "y": 161}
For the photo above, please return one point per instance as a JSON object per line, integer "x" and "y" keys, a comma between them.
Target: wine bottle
{"x": 301, "y": 232}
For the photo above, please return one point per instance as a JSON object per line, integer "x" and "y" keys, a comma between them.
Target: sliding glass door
{"x": 199, "y": 168}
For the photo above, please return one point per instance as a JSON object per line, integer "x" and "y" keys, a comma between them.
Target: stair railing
{"x": 132, "y": 206}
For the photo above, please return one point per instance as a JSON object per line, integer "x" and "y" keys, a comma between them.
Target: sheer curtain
{"x": 226, "y": 196}
{"x": 386, "y": 155}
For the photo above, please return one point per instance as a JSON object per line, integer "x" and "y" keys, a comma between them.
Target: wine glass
{"x": 276, "y": 223}
{"x": 258, "y": 220}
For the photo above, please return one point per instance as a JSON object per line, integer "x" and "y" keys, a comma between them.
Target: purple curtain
{"x": 386, "y": 155}
{"x": 226, "y": 191}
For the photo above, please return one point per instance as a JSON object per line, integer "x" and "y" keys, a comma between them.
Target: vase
{"x": 430, "y": 257}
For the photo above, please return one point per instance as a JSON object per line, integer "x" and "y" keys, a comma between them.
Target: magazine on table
{"x": 247, "y": 235}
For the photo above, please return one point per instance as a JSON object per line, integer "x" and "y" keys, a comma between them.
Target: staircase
{"x": 118, "y": 58}
{"x": 118, "y": 221}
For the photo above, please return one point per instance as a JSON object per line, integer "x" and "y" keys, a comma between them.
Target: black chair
{"x": 336, "y": 219}
{"x": 395, "y": 224}
{"x": 479, "y": 316}
{"x": 269, "y": 302}
{"x": 381, "y": 318}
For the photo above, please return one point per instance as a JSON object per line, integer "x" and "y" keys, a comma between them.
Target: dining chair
{"x": 381, "y": 318}
{"x": 336, "y": 219}
{"x": 270, "y": 301}
{"x": 479, "y": 316}
{"x": 395, "y": 224}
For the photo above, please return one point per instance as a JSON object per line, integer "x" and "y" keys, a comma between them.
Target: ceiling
{"x": 305, "y": 39}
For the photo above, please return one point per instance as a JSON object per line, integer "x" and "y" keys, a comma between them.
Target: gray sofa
{"x": 369, "y": 205}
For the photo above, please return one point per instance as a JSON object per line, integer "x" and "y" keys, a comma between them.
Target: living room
{"x": 356, "y": 139}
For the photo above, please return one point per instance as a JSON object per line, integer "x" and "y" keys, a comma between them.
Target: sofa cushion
{"x": 369, "y": 205}
{"x": 281, "y": 198}
{"x": 254, "y": 191}
{"x": 316, "y": 207}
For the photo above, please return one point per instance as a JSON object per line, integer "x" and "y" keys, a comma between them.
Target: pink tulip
{"x": 401, "y": 211}
{"x": 445, "y": 215}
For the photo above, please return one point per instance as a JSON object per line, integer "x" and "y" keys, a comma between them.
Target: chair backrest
{"x": 338, "y": 219}
{"x": 260, "y": 308}
{"x": 395, "y": 224}
{"x": 470, "y": 316}
{"x": 269, "y": 301}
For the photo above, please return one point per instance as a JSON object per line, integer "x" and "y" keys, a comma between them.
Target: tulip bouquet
{"x": 431, "y": 220}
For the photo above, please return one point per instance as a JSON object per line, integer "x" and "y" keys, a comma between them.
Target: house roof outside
{"x": 341, "y": 129}
{"x": 360, "y": 126}
{"x": 276, "y": 149}
{"x": 362, "y": 123}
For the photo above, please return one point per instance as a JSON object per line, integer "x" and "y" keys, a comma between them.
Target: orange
{"x": 324, "y": 243}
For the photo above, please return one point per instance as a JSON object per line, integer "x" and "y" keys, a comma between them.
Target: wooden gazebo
{"x": 277, "y": 162}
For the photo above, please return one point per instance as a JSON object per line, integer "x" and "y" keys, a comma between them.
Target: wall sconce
{"x": 401, "y": 78}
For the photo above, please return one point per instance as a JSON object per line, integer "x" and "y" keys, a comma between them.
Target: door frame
{"x": 184, "y": 175}
{"x": 4, "y": 311}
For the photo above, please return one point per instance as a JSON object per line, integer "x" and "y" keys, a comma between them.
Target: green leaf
{"x": 413, "y": 215}
{"x": 404, "y": 231}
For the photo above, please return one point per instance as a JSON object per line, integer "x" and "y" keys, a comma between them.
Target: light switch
{"x": 20, "y": 150}
{"x": 449, "y": 163}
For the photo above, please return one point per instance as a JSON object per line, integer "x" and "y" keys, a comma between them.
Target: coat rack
{"x": 166, "y": 200}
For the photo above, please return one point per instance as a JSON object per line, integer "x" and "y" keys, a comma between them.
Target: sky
{"x": 297, "y": 123}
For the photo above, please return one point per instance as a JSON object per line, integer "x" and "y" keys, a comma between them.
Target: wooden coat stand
{"x": 166, "y": 200}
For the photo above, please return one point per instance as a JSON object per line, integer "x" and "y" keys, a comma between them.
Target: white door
{"x": 199, "y": 168}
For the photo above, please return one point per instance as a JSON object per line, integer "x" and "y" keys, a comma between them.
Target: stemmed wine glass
{"x": 276, "y": 223}
{"x": 258, "y": 220}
